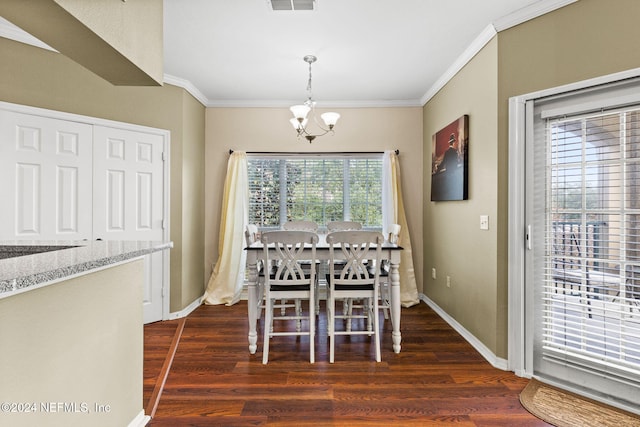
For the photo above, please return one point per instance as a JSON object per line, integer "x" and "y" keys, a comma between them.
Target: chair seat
{"x": 363, "y": 287}
{"x": 290, "y": 287}
{"x": 272, "y": 276}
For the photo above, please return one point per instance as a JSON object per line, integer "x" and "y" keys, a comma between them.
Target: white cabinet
{"x": 68, "y": 177}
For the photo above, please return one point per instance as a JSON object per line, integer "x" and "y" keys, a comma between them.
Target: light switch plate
{"x": 484, "y": 222}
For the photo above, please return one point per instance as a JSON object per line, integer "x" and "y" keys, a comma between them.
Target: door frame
{"x": 520, "y": 331}
{"x": 166, "y": 137}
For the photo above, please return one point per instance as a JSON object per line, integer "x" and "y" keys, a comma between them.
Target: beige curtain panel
{"x": 393, "y": 213}
{"x": 227, "y": 279}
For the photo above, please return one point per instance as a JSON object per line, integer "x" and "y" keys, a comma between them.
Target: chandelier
{"x": 300, "y": 112}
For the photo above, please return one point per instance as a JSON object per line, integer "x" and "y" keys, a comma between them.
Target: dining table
{"x": 255, "y": 254}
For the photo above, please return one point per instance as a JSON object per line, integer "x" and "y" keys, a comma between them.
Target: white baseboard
{"x": 140, "y": 420}
{"x": 187, "y": 310}
{"x": 496, "y": 362}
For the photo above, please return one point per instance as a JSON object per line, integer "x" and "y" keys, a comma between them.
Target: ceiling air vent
{"x": 293, "y": 4}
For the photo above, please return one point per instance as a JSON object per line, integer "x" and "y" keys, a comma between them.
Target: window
{"x": 319, "y": 188}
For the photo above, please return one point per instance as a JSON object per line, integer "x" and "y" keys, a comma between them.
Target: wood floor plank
{"x": 438, "y": 378}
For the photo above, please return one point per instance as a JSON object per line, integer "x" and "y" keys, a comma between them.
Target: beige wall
{"x": 76, "y": 341}
{"x": 120, "y": 41}
{"x": 453, "y": 243}
{"x": 40, "y": 78}
{"x": 193, "y": 197}
{"x": 586, "y": 39}
{"x": 268, "y": 129}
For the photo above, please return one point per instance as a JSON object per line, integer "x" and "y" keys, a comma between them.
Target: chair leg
{"x": 331, "y": 326}
{"x": 376, "y": 329}
{"x": 268, "y": 326}
{"x": 316, "y": 288}
{"x": 368, "y": 306}
{"x": 312, "y": 327}
{"x": 384, "y": 297}
{"x": 298, "y": 313}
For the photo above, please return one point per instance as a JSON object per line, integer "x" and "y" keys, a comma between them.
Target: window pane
{"x": 264, "y": 192}
{"x": 315, "y": 189}
{"x": 365, "y": 189}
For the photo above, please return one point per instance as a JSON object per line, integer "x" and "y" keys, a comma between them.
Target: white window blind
{"x": 325, "y": 188}
{"x": 590, "y": 317}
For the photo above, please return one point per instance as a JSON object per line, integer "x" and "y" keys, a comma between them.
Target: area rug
{"x": 565, "y": 409}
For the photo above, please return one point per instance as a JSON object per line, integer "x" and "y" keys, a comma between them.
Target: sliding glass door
{"x": 583, "y": 272}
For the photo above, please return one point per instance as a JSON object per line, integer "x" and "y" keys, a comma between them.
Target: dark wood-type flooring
{"x": 437, "y": 378}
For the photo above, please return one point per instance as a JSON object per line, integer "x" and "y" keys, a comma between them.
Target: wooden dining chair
{"x": 289, "y": 280}
{"x": 353, "y": 280}
{"x": 251, "y": 236}
{"x": 303, "y": 225}
{"x": 348, "y": 304}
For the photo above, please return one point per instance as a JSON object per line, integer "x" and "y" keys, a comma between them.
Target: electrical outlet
{"x": 448, "y": 281}
{"x": 433, "y": 273}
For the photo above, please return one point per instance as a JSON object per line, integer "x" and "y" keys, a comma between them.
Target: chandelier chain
{"x": 309, "y": 82}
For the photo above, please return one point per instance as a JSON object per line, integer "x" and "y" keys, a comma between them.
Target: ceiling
{"x": 370, "y": 52}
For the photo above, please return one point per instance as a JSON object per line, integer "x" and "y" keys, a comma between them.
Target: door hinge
{"x": 163, "y": 157}
{"x": 164, "y": 224}
{"x": 528, "y": 237}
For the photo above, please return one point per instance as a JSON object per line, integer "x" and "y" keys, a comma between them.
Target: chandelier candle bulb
{"x": 300, "y": 111}
{"x": 330, "y": 119}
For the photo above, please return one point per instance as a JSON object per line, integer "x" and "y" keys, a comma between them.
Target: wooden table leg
{"x": 394, "y": 275}
{"x": 252, "y": 303}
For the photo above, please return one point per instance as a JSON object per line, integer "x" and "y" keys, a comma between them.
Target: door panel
{"x": 45, "y": 166}
{"x": 128, "y": 177}
{"x": 128, "y": 199}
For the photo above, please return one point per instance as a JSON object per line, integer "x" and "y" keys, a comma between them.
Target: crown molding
{"x": 530, "y": 12}
{"x": 188, "y": 86}
{"x": 323, "y": 104}
{"x": 518, "y": 17}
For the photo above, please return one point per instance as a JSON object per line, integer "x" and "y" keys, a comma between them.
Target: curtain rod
{"x": 316, "y": 152}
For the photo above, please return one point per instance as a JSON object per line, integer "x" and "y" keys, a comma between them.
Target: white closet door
{"x": 45, "y": 168}
{"x": 128, "y": 192}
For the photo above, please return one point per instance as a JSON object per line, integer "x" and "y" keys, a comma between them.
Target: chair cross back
{"x": 355, "y": 267}
{"x": 289, "y": 251}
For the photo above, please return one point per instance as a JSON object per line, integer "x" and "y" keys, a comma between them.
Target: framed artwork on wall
{"x": 450, "y": 161}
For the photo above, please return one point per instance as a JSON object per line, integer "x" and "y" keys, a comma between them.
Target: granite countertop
{"x": 26, "y": 265}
